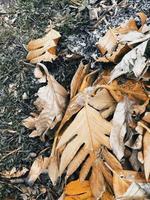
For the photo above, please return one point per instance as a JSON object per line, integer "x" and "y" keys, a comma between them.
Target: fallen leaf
{"x": 134, "y": 61}
{"x": 14, "y": 173}
{"x": 77, "y": 190}
{"x": 53, "y": 169}
{"x": 43, "y": 49}
{"x": 97, "y": 181}
{"x": 39, "y": 166}
{"x": 51, "y": 103}
{"x": 76, "y": 82}
{"x": 146, "y": 117}
{"x": 146, "y": 151}
{"x": 88, "y": 128}
{"x": 118, "y": 131}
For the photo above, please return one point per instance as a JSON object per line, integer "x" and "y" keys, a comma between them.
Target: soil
{"x": 21, "y": 21}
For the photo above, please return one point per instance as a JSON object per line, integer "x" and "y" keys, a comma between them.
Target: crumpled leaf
{"x": 51, "y": 103}
{"x": 77, "y": 190}
{"x": 146, "y": 151}
{"x": 14, "y": 173}
{"x": 114, "y": 45}
{"x": 134, "y": 61}
{"x": 88, "y": 121}
{"x": 103, "y": 102}
{"x": 130, "y": 185}
{"x": 119, "y": 128}
{"x": 39, "y": 166}
{"x": 43, "y": 49}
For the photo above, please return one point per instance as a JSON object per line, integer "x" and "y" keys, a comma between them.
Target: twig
{"x": 10, "y": 153}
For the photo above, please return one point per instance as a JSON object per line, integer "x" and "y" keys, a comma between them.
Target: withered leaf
{"x": 39, "y": 166}
{"x": 51, "y": 103}
{"x": 119, "y": 128}
{"x": 88, "y": 128}
{"x": 43, "y": 49}
{"x": 14, "y": 173}
{"x": 76, "y": 82}
{"x": 77, "y": 190}
{"x": 134, "y": 61}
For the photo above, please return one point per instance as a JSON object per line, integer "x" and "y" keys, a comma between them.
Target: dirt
{"x": 21, "y": 21}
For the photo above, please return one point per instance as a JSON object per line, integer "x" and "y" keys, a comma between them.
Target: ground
{"x": 21, "y": 21}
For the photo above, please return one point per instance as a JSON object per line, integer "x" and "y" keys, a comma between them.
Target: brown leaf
{"x": 146, "y": 151}
{"x": 43, "y": 49}
{"x": 119, "y": 128}
{"x": 39, "y": 166}
{"x": 146, "y": 117}
{"x": 97, "y": 181}
{"x": 77, "y": 190}
{"x": 103, "y": 102}
{"x": 53, "y": 169}
{"x": 14, "y": 173}
{"x": 76, "y": 82}
{"x": 51, "y": 103}
{"x": 88, "y": 128}
{"x": 134, "y": 61}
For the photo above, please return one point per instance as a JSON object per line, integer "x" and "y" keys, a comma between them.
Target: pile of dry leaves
{"x": 103, "y": 123}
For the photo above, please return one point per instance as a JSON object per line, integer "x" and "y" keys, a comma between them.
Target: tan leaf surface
{"x": 146, "y": 150}
{"x": 119, "y": 128}
{"x": 77, "y": 190}
{"x": 53, "y": 169}
{"x": 39, "y": 166}
{"x": 51, "y": 103}
{"x": 76, "y": 82}
{"x": 43, "y": 49}
{"x": 134, "y": 61}
{"x": 14, "y": 173}
{"x": 97, "y": 181}
{"x": 88, "y": 128}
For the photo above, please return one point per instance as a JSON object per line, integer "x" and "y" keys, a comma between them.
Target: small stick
{"x": 10, "y": 153}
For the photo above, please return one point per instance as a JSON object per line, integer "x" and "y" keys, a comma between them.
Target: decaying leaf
{"x": 97, "y": 181}
{"x": 114, "y": 45}
{"x": 76, "y": 82}
{"x": 51, "y": 103}
{"x": 134, "y": 61}
{"x": 118, "y": 131}
{"x": 14, "y": 173}
{"x": 43, "y": 49}
{"x": 88, "y": 128}
{"x": 39, "y": 166}
{"x": 77, "y": 190}
{"x": 130, "y": 185}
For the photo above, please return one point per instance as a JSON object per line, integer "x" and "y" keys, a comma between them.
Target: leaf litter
{"x": 99, "y": 125}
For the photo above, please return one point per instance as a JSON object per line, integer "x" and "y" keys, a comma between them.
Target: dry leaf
{"x": 134, "y": 61}
{"x": 103, "y": 102}
{"x": 76, "y": 82}
{"x": 14, "y": 173}
{"x": 119, "y": 128}
{"x": 43, "y": 49}
{"x": 51, "y": 103}
{"x": 39, "y": 166}
{"x": 88, "y": 128}
{"x": 53, "y": 169}
{"x": 146, "y": 151}
{"x": 97, "y": 181}
{"x": 133, "y": 89}
{"x": 114, "y": 45}
{"x": 146, "y": 117}
{"x": 77, "y": 190}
